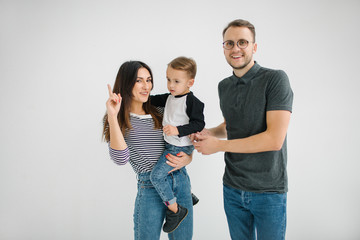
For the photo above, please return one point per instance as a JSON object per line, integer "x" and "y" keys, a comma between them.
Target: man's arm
{"x": 271, "y": 139}
{"x": 219, "y": 131}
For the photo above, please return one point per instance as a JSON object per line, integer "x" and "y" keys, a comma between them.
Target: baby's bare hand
{"x": 170, "y": 130}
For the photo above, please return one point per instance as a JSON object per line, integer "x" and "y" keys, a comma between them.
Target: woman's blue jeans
{"x": 149, "y": 213}
{"x": 248, "y": 212}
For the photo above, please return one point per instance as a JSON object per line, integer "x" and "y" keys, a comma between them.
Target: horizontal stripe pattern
{"x": 120, "y": 157}
{"x": 145, "y": 145}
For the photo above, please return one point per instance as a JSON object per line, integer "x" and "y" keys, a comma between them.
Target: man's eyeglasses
{"x": 229, "y": 44}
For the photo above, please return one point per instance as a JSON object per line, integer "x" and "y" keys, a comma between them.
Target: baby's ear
{"x": 191, "y": 82}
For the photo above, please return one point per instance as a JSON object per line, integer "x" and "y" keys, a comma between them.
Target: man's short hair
{"x": 240, "y": 23}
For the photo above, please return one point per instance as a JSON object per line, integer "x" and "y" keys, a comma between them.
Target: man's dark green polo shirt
{"x": 244, "y": 102}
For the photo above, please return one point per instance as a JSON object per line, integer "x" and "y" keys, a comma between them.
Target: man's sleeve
{"x": 279, "y": 94}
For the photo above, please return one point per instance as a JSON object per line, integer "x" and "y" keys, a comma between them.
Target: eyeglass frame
{"x": 237, "y": 44}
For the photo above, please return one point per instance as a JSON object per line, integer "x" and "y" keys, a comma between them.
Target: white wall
{"x": 56, "y": 57}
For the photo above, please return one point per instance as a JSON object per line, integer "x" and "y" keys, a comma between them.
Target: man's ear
{"x": 255, "y": 48}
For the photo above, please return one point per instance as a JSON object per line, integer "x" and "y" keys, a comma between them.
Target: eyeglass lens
{"x": 230, "y": 44}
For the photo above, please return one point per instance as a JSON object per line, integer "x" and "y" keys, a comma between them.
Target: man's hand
{"x": 206, "y": 144}
{"x": 204, "y": 132}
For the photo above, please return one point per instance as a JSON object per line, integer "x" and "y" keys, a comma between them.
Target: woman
{"x": 132, "y": 126}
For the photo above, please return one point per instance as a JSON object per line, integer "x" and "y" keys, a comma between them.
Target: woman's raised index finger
{"x": 110, "y": 90}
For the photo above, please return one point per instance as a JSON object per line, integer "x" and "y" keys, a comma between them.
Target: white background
{"x": 56, "y": 57}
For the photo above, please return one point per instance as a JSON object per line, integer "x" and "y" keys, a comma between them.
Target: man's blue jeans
{"x": 160, "y": 171}
{"x": 248, "y": 212}
{"x": 150, "y": 211}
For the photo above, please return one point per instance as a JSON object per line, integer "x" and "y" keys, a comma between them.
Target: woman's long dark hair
{"x": 124, "y": 84}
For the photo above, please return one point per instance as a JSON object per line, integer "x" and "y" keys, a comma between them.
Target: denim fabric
{"x": 253, "y": 216}
{"x": 149, "y": 213}
{"x": 160, "y": 171}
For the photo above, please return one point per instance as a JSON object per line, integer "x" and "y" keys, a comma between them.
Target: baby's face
{"x": 178, "y": 81}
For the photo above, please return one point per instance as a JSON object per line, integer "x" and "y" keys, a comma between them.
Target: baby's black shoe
{"x": 195, "y": 200}
{"x": 173, "y": 220}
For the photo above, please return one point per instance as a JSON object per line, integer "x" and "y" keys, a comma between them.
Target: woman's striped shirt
{"x": 145, "y": 144}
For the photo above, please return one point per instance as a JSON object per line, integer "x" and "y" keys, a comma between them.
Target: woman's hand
{"x": 113, "y": 103}
{"x": 180, "y": 160}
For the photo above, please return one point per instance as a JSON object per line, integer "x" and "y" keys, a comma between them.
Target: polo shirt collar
{"x": 249, "y": 74}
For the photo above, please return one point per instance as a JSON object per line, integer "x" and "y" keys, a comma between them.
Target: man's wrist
{"x": 222, "y": 144}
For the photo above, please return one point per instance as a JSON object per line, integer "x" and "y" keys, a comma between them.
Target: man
{"x": 256, "y": 103}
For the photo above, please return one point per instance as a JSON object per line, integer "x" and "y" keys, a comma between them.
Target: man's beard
{"x": 241, "y": 66}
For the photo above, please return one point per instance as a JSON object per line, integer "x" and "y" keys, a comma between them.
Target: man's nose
{"x": 236, "y": 48}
